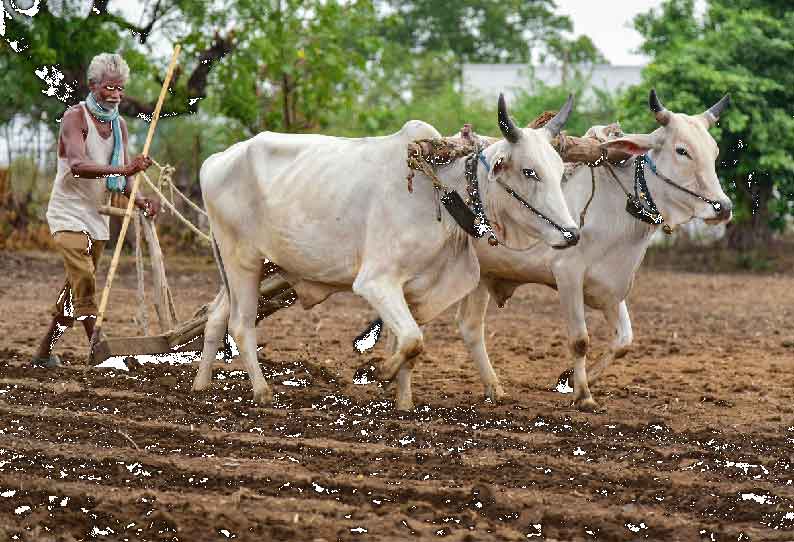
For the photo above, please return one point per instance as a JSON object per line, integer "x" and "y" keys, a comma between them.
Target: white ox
{"x": 335, "y": 214}
{"x": 599, "y": 271}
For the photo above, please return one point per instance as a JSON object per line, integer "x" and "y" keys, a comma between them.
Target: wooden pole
{"x": 125, "y": 224}
{"x": 159, "y": 280}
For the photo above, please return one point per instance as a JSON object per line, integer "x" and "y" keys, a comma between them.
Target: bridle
{"x": 641, "y": 205}
{"x": 716, "y": 205}
{"x": 482, "y": 224}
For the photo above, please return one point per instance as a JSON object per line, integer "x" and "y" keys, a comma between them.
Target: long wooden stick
{"x": 126, "y": 222}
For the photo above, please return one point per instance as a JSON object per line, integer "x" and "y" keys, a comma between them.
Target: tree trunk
{"x": 754, "y": 233}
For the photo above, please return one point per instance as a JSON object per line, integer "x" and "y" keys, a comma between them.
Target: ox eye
{"x": 530, "y": 174}
{"x": 681, "y": 151}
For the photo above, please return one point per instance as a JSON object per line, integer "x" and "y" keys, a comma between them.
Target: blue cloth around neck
{"x": 114, "y": 183}
{"x": 484, "y": 161}
{"x": 648, "y": 160}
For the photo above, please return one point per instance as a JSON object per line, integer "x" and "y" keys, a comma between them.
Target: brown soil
{"x": 696, "y": 442}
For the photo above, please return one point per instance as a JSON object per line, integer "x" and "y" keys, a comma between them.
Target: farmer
{"x": 92, "y": 160}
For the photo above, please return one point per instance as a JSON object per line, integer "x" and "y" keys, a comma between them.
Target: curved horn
{"x": 554, "y": 126}
{"x": 661, "y": 112}
{"x": 713, "y": 113}
{"x": 506, "y": 124}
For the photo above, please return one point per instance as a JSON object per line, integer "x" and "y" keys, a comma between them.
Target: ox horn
{"x": 506, "y": 124}
{"x": 713, "y": 113}
{"x": 554, "y": 126}
{"x": 661, "y": 112}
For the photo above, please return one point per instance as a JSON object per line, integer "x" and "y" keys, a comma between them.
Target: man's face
{"x": 109, "y": 92}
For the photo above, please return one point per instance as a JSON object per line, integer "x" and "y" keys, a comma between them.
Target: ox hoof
{"x": 263, "y": 395}
{"x": 587, "y": 405}
{"x": 389, "y": 369}
{"x": 404, "y": 405}
{"x": 201, "y": 384}
{"x": 495, "y": 393}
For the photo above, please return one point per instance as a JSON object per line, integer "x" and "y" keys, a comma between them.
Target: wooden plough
{"x": 275, "y": 293}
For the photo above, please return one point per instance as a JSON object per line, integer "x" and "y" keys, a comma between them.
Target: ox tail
{"x": 369, "y": 337}
{"x": 228, "y": 353}
{"x": 216, "y": 251}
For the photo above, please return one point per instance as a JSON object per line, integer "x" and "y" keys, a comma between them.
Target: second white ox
{"x": 335, "y": 214}
{"x": 678, "y": 164}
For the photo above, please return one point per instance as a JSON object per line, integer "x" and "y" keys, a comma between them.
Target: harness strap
{"x": 583, "y": 214}
{"x": 641, "y": 205}
{"x": 652, "y": 165}
{"x": 474, "y": 201}
{"x": 615, "y": 177}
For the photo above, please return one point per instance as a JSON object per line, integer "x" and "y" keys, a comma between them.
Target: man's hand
{"x": 150, "y": 206}
{"x": 138, "y": 163}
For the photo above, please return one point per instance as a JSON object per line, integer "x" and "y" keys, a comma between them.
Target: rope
{"x": 583, "y": 214}
{"x": 166, "y": 172}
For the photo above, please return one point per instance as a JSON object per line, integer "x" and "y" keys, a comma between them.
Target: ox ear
{"x": 499, "y": 163}
{"x": 633, "y": 144}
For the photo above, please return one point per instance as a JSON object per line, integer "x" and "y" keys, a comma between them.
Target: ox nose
{"x": 571, "y": 236}
{"x": 726, "y": 207}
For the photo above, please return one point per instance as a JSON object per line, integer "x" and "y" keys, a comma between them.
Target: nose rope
{"x": 478, "y": 207}
{"x": 716, "y": 205}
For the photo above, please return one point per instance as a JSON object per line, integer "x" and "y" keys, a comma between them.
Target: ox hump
{"x": 417, "y": 129}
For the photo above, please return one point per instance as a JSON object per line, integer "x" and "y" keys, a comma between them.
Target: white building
{"x": 488, "y": 80}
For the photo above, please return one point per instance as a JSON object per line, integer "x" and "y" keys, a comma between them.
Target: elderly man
{"x": 92, "y": 161}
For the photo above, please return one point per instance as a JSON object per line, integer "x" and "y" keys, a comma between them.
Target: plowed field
{"x": 696, "y": 442}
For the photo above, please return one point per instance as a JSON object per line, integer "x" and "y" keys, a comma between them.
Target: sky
{"x": 608, "y": 23}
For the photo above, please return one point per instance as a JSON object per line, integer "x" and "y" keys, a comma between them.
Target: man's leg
{"x": 54, "y": 333}
{"x": 89, "y": 320}
{"x": 61, "y": 321}
{"x": 88, "y": 324}
{"x": 76, "y": 300}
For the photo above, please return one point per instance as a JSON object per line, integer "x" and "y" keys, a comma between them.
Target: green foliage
{"x": 755, "y": 261}
{"x": 447, "y": 109}
{"x": 743, "y": 47}
{"x": 296, "y": 62}
{"x": 573, "y": 52}
{"x": 474, "y": 30}
{"x": 598, "y": 109}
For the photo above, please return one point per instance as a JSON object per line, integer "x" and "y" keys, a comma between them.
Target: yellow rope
{"x": 166, "y": 171}
{"x": 167, "y": 175}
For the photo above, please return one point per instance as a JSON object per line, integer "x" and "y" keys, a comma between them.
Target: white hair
{"x": 107, "y": 64}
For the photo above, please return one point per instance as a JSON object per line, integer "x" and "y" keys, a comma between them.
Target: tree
{"x": 573, "y": 54}
{"x": 417, "y": 71}
{"x": 297, "y": 62}
{"x": 745, "y": 47}
{"x": 474, "y": 30}
{"x": 47, "y": 49}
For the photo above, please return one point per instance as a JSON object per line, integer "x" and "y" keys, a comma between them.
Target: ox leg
{"x": 617, "y": 317}
{"x": 471, "y": 323}
{"x": 405, "y": 400}
{"x": 244, "y": 286}
{"x": 214, "y": 333}
{"x": 389, "y": 302}
{"x": 572, "y": 299}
